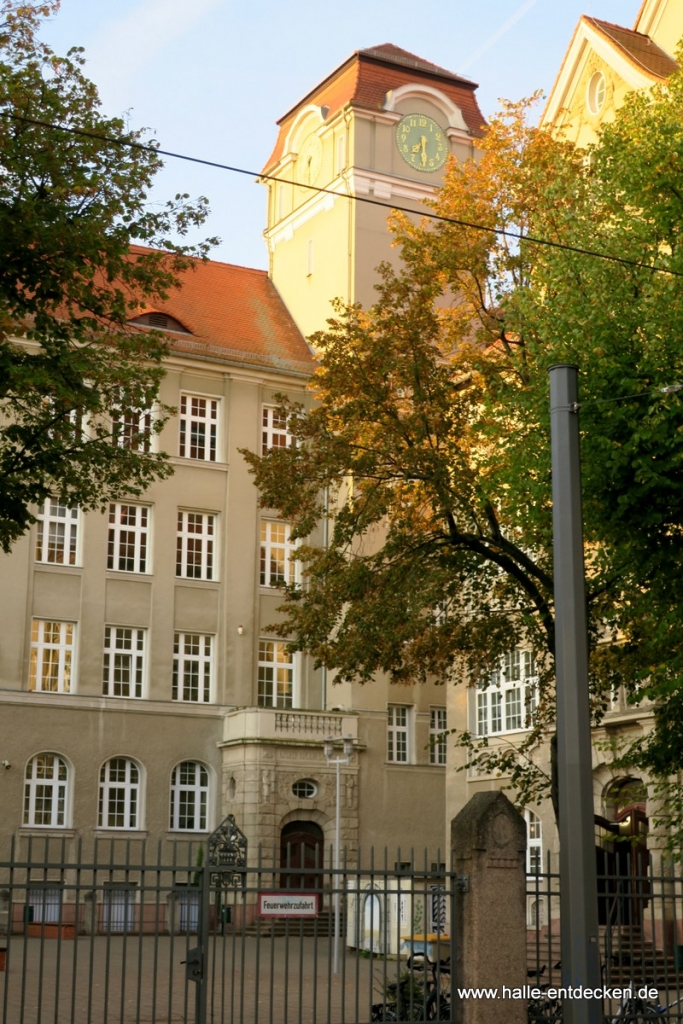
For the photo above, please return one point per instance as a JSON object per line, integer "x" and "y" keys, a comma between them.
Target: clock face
{"x": 309, "y": 160}
{"x": 421, "y": 142}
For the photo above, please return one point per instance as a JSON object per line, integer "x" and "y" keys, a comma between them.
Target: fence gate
{"x": 211, "y": 935}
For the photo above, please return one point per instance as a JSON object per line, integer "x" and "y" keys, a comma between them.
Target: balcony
{"x": 271, "y": 725}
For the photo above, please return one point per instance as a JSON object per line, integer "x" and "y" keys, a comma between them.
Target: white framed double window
{"x": 52, "y": 656}
{"x": 46, "y": 782}
{"x": 275, "y": 432}
{"x": 123, "y": 669}
{"x": 506, "y": 700}
{"x": 196, "y": 546}
{"x": 128, "y": 539}
{"x": 277, "y": 565}
{"x": 437, "y": 735}
{"x": 399, "y": 721}
{"x": 57, "y": 532}
{"x": 189, "y": 797}
{"x": 198, "y": 428}
{"x": 192, "y": 667}
{"x": 120, "y": 795}
{"x": 275, "y": 675}
{"x": 132, "y": 429}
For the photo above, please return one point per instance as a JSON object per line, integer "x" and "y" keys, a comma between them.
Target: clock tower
{"x": 375, "y": 133}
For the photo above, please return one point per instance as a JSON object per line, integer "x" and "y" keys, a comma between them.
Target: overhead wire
{"x": 259, "y": 175}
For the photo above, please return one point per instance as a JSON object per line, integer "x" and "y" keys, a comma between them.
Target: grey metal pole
{"x": 578, "y": 882}
{"x": 337, "y": 824}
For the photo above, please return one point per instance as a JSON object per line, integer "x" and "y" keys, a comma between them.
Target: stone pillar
{"x": 488, "y": 840}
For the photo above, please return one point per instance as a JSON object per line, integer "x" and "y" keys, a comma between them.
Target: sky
{"x": 211, "y": 77}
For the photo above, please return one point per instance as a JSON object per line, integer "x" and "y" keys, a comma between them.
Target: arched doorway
{"x": 371, "y": 921}
{"x": 301, "y": 855}
{"x": 623, "y": 858}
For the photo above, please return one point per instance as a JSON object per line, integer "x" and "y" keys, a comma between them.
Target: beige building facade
{"x": 141, "y": 694}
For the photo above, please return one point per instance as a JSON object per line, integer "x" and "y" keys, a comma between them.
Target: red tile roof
{"x": 366, "y": 77}
{"x": 233, "y": 314}
{"x": 637, "y": 47}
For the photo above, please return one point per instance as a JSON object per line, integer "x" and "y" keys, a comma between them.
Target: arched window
{"x": 45, "y": 791}
{"x": 534, "y": 844}
{"x": 189, "y": 797}
{"x": 119, "y": 803}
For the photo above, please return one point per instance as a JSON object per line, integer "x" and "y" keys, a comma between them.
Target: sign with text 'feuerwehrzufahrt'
{"x": 288, "y": 904}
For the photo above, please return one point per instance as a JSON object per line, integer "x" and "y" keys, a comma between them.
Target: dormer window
{"x": 160, "y": 321}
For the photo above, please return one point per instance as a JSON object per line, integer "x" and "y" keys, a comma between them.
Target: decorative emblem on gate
{"x": 227, "y": 850}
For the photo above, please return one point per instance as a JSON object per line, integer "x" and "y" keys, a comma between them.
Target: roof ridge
{"x": 622, "y": 28}
{"x": 405, "y": 58}
{"x": 199, "y": 260}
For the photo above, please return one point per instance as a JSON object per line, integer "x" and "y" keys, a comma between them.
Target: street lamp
{"x": 347, "y": 748}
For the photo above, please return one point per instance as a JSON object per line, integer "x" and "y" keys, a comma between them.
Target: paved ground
{"x": 132, "y": 980}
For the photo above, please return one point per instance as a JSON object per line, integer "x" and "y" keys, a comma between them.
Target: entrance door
{"x": 301, "y": 855}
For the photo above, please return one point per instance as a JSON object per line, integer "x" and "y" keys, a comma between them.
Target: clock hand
{"x": 423, "y": 142}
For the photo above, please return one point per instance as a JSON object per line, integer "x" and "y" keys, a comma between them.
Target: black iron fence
{"x": 640, "y": 911}
{"x": 198, "y": 933}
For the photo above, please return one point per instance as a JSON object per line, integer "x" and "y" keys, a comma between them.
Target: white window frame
{"x": 135, "y": 536}
{"x": 190, "y": 798}
{"x": 51, "y": 790}
{"x": 437, "y": 738}
{"x": 198, "y": 664}
{"x": 133, "y": 429}
{"x": 277, "y": 565}
{"x": 399, "y": 733}
{"x": 274, "y": 433}
{"x": 124, "y": 661}
{"x": 197, "y": 535}
{"x": 198, "y": 421}
{"x": 56, "y": 656}
{"x": 58, "y": 534}
{"x": 534, "y": 843}
{"x": 130, "y": 787}
{"x": 277, "y": 674}
{"x": 506, "y": 701}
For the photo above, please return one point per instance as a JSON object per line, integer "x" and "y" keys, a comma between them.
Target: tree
{"x": 428, "y": 446}
{"x": 72, "y": 200}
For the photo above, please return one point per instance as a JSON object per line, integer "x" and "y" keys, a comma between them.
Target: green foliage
{"x": 429, "y": 439}
{"x": 70, "y": 207}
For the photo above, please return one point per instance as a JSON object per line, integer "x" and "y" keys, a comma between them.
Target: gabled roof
{"x": 233, "y": 314}
{"x": 636, "y": 47}
{"x": 364, "y": 80}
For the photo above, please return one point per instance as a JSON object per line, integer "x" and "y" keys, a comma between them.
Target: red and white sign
{"x": 288, "y": 904}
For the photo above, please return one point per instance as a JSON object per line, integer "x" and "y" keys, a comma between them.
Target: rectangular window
{"x": 132, "y": 429}
{"x": 398, "y": 749}
{"x": 276, "y": 563}
{"x": 280, "y": 213}
{"x": 57, "y": 534}
{"x": 195, "y": 548}
{"x": 275, "y": 433}
{"x": 192, "y": 667}
{"x": 123, "y": 670}
{"x": 341, "y": 153}
{"x": 128, "y": 538}
{"x": 437, "y": 737}
{"x": 506, "y": 700}
{"x": 52, "y": 648}
{"x": 275, "y": 675}
{"x": 198, "y": 427}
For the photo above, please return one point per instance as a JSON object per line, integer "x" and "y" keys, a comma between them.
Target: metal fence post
{"x": 202, "y": 980}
